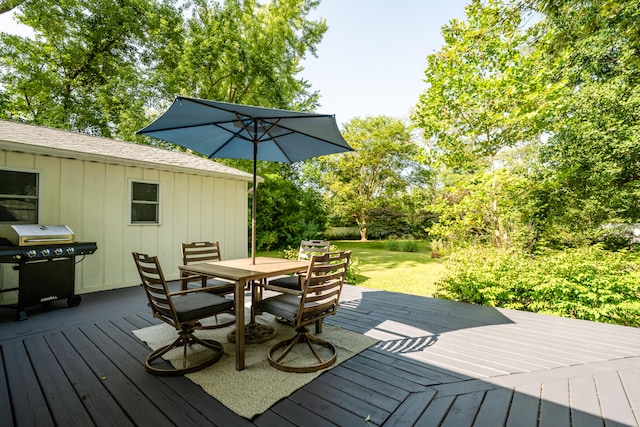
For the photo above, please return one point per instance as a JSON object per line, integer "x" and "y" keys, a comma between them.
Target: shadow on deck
{"x": 437, "y": 363}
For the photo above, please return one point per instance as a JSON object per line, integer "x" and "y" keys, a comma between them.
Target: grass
{"x": 407, "y": 272}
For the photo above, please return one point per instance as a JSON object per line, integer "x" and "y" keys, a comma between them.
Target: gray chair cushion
{"x": 284, "y": 305}
{"x": 198, "y": 305}
{"x": 288, "y": 282}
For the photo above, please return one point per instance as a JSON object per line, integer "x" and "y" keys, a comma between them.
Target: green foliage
{"x": 249, "y": 52}
{"x": 370, "y": 181}
{"x": 286, "y": 214}
{"x": 487, "y": 207}
{"x": 483, "y": 112}
{"x": 342, "y": 233}
{"x": 585, "y": 283}
{"x": 593, "y": 154}
{"x": 440, "y": 248}
{"x": 87, "y": 68}
{"x": 484, "y": 93}
{"x": 108, "y": 68}
{"x": 401, "y": 245}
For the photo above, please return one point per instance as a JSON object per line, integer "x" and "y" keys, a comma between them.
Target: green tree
{"x": 485, "y": 95}
{"x": 386, "y": 164}
{"x": 9, "y": 5}
{"x": 593, "y": 154}
{"x": 109, "y": 68}
{"x": 250, "y": 53}
{"x": 286, "y": 213}
{"x": 86, "y": 68}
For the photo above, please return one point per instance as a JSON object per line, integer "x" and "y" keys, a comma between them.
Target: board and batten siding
{"x": 93, "y": 199}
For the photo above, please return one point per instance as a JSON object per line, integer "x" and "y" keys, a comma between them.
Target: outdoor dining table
{"x": 242, "y": 271}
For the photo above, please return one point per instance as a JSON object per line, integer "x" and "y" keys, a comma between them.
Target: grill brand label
{"x": 51, "y": 298}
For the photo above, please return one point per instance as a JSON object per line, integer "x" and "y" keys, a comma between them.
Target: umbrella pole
{"x": 253, "y": 206}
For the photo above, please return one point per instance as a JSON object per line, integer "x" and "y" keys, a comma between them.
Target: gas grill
{"x": 45, "y": 257}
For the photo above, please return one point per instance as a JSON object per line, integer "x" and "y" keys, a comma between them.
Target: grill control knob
{"x": 45, "y": 252}
{"x": 58, "y": 251}
{"x": 71, "y": 251}
{"x": 32, "y": 253}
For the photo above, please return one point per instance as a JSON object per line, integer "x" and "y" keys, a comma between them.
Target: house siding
{"x": 92, "y": 198}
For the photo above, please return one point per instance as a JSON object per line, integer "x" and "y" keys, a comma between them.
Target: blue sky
{"x": 372, "y": 58}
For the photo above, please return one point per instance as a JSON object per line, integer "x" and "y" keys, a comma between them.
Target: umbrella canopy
{"x": 234, "y": 131}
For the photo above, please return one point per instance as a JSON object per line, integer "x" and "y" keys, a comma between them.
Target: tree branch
{"x": 9, "y": 5}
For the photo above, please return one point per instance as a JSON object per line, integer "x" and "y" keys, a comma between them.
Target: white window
{"x": 19, "y": 194}
{"x": 145, "y": 202}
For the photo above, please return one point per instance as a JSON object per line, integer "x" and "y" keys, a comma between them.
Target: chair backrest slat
{"x": 308, "y": 248}
{"x": 155, "y": 287}
{"x": 200, "y": 252}
{"x": 322, "y": 286}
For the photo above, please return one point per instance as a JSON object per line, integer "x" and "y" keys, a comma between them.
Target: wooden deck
{"x": 437, "y": 363}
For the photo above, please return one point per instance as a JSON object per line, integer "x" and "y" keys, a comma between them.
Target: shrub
{"x": 586, "y": 283}
{"x": 409, "y": 246}
{"x": 342, "y": 233}
{"x": 440, "y": 248}
{"x": 392, "y": 245}
{"x": 401, "y": 245}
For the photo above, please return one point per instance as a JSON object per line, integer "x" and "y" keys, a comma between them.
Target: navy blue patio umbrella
{"x": 224, "y": 130}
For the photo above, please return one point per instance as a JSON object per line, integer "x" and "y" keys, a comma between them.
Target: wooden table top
{"x": 243, "y": 269}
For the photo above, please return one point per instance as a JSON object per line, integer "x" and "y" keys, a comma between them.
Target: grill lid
{"x": 35, "y": 234}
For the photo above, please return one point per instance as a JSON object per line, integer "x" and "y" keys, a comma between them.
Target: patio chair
{"x": 293, "y": 283}
{"x": 197, "y": 252}
{"x": 183, "y": 310}
{"x": 321, "y": 288}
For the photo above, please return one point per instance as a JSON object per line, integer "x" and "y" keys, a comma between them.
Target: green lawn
{"x": 407, "y": 272}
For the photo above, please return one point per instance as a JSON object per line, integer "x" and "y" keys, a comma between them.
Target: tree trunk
{"x": 363, "y": 234}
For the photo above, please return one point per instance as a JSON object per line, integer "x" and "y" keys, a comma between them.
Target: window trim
{"x": 130, "y": 202}
{"x": 40, "y": 179}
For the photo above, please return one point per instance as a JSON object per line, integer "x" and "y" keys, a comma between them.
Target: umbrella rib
{"x": 231, "y": 110}
{"x": 234, "y": 135}
{"x": 176, "y": 128}
{"x": 316, "y": 138}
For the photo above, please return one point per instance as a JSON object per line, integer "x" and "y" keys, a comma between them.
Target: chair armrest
{"x": 184, "y": 280}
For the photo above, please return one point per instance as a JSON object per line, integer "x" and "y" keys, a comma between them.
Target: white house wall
{"x": 92, "y": 198}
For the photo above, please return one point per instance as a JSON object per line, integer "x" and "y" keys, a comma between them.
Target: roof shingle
{"x": 28, "y": 138}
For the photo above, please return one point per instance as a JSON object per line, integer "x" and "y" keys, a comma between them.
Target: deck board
{"x": 29, "y": 405}
{"x": 554, "y": 406}
{"x": 5, "y": 407}
{"x": 584, "y": 401}
{"x": 524, "y": 406}
{"x": 95, "y": 397}
{"x": 56, "y": 388}
{"x": 631, "y": 382}
{"x": 366, "y": 394}
{"x": 613, "y": 400}
{"x": 130, "y": 398}
{"x": 437, "y": 363}
{"x": 495, "y": 408}
{"x": 362, "y": 408}
{"x": 463, "y": 410}
{"x": 435, "y": 412}
{"x": 411, "y": 409}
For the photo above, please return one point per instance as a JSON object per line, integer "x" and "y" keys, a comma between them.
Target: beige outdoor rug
{"x": 256, "y": 388}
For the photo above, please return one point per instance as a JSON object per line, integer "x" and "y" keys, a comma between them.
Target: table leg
{"x": 254, "y": 300}
{"x": 239, "y": 299}
{"x": 254, "y": 332}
